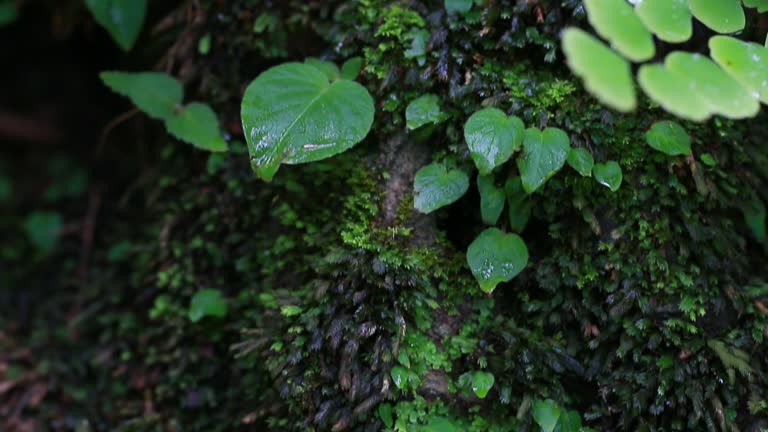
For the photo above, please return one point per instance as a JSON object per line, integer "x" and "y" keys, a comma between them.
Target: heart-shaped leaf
{"x": 207, "y": 302}
{"x": 492, "y": 137}
{"x": 608, "y": 174}
{"x": 461, "y": 6}
{"x": 723, "y": 94}
{"x": 670, "y": 20}
{"x": 546, "y": 413}
{"x": 122, "y": 18}
{"x": 675, "y": 93}
{"x": 544, "y": 153}
{"x": 156, "y": 94}
{"x": 482, "y": 383}
{"x": 669, "y": 138}
{"x": 745, "y": 61}
{"x": 197, "y": 124}
{"x": 606, "y": 74}
{"x": 496, "y": 257}
{"x": 569, "y": 421}
{"x": 616, "y": 21}
{"x": 434, "y": 187}
{"x": 292, "y": 114}
{"x": 519, "y": 204}
{"x": 422, "y": 111}
{"x": 581, "y": 160}
{"x": 492, "y": 199}
{"x": 722, "y": 16}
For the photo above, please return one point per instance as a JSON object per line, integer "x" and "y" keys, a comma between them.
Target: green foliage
{"x": 293, "y": 114}
{"x": 197, "y": 124}
{"x": 546, "y": 413}
{"x": 669, "y": 20}
{"x": 8, "y": 12}
{"x": 616, "y": 21}
{"x": 460, "y": 6}
{"x": 496, "y": 257}
{"x": 492, "y": 138}
{"x": 747, "y": 62}
{"x": 42, "y": 229}
{"x": 351, "y": 68}
{"x": 669, "y": 138}
{"x": 581, "y": 160}
{"x": 544, "y": 153}
{"x": 422, "y": 111}
{"x": 722, "y": 16}
{"x": 482, "y": 382}
{"x": 436, "y": 186}
{"x": 492, "y": 199}
{"x": 156, "y": 94}
{"x": 123, "y": 19}
{"x": 608, "y": 174}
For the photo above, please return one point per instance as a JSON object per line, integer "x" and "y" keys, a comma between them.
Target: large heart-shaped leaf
{"x": 292, "y": 114}
{"x": 422, "y": 111}
{"x": 670, "y": 20}
{"x": 581, "y": 160}
{"x": 122, "y": 18}
{"x": 544, "y": 153}
{"x": 496, "y": 257}
{"x": 608, "y": 174}
{"x": 492, "y": 137}
{"x": 207, "y": 302}
{"x": 492, "y": 199}
{"x": 616, "y": 21}
{"x": 745, "y": 61}
{"x": 723, "y": 94}
{"x": 434, "y": 187}
{"x": 722, "y": 16}
{"x": 156, "y": 94}
{"x": 606, "y": 74}
{"x": 669, "y": 138}
{"x": 546, "y": 413}
{"x": 674, "y": 92}
{"x": 482, "y": 382}
{"x": 197, "y": 124}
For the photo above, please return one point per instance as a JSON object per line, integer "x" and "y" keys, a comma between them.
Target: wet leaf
{"x": 723, "y": 94}
{"x": 492, "y": 137}
{"x": 207, "y": 302}
{"x": 616, "y": 21}
{"x": 606, "y": 74}
{"x": 722, "y": 16}
{"x": 747, "y": 62}
{"x": 581, "y": 160}
{"x": 482, "y": 383}
{"x": 123, "y": 19}
{"x": 435, "y": 186}
{"x": 156, "y": 94}
{"x": 495, "y": 257}
{"x": 544, "y": 153}
{"x": 399, "y": 376}
{"x": 42, "y": 229}
{"x": 670, "y": 20}
{"x": 546, "y": 413}
{"x": 608, "y": 174}
{"x": 197, "y": 124}
{"x": 675, "y": 93}
{"x": 492, "y": 199}
{"x": 292, "y": 114}
{"x": 461, "y": 6}
{"x": 669, "y": 138}
{"x": 423, "y": 110}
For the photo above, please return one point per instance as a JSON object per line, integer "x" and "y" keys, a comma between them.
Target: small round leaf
{"x": 546, "y": 413}
{"x": 434, "y": 187}
{"x": 747, "y": 62}
{"x": 422, "y": 111}
{"x": 670, "y": 20}
{"x": 496, "y": 257}
{"x": 722, "y": 16}
{"x": 482, "y": 382}
{"x": 492, "y": 137}
{"x": 673, "y": 92}
{"x": 207, "y": 302}
{"x": 608, "y": 174}
{"x": 669, "y": 138}
{"x": 616, "y": 21}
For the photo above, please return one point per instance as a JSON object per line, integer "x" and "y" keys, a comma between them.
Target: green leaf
{"x": 496, "y": 257}
{"x": 616, "y": 21}
{"x": 761, "y": 5}
{"x": 156, "y": 94}
{"x": 608, "y": 174}
{"x": 385, "y": 414}
{"x": 123, "y": 19}
{"x": 569, "y": 421}
{"x": 399, "y": 376}
{"x": 434, "y": 187}
{"x": 754, "y": 216}
{"x": 423, "y": 110}
{"x": 669, "y": 138}
{"x": 492, "y": 199}
{"x": 581, "y": 160}
{"x": 197, "y": 124}
{"x": 708, "y": 160}
{"x": 204, "y": 44}
{"x": 716, "y": 88}
{"x": 418, "y": 49}
{"x": 722, "y": 16}
{"x": 747, "y": 62}
{"x": 606, "y": 74}
{"x": 8, "y": 12}
{"x": 675, "y": 93}
{"x": 492, "y": 137}
{"x": 546, "y": 414}
{"x": 440, "y": 424}
{"x": 207, "y": 302}
{"x": 351, "y": 68}
{"x": 460, "y": 6}
{"x": 482, "y": 383}
{"x": 292, "y": 114}
{"x": 544, "y": 153}
{"x": 6, "y": 189}
{"x": 670, "y": 20}
{"x": 328, "y": 68}
{"x": 519, "y": 204}
{"x": 42, "y": 229}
